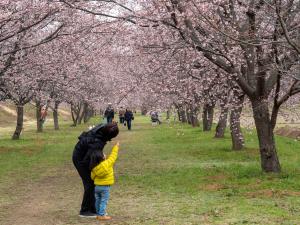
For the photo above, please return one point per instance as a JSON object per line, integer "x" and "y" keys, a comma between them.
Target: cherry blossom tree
{"x": 253, "y": 60}
{"x": 25, "y": 25}
{"x": 151, "y": 53}
{"x": 19, "y": 89}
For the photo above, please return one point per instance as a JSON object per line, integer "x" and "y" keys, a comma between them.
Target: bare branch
{"x": 22, "y": 29}
{"x": 127, "y": 19}
{"x": 45, "y": 40}
{"x": 285, "y": 31}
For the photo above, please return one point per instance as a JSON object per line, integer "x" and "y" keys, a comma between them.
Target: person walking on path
{"x": 122, "y": 115}
{"x": 109, "y": 113}
{"x": 43, "y": 115}
{"x": 89, "y": 142}
{"x": 103, "y": 176}
{"x": 128, "y": 117}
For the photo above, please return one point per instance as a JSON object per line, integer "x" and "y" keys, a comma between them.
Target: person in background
{"x": 89, "y": 142}
{"x": 155, "y": 117}
{"x": 43, "y": 114}
{"x": 129, "y": 117}
{"x": 122, "y": 115}
{"x": 109, "y": 113}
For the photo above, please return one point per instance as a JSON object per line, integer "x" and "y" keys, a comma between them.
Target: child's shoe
{"x": 103, "y": 217}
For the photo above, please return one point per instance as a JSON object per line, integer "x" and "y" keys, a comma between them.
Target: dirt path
{"x": 42, "y": 203}
{"x": 53, "y": 199}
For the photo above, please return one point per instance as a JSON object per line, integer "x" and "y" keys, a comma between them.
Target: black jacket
{"x": 109, "y": 112}
{"x": 88, "y": 142}
{"x": 128, "y": 115}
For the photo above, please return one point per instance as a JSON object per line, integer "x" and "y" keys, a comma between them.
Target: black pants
{"x": 88, "y": 201}
{"x": 128, "y": 124}
{"x": 109, "y": 119}
{"x": 122, "y": 120}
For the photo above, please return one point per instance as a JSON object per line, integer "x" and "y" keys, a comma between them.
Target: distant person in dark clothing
{"x": 129, "y": 117}
{"x": 122, "y": 115}
{"x": 109, "y": 113}
{"x": 93, "y": 140}
{"x": 155, "y": 117}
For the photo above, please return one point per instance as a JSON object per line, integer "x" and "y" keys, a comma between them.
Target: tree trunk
{"x": 55, "y": 115}
{"x": 207, "y": 117}
{"x": 182, "y": 114}
{"x": 268, "y": 153}
{"x": 101, "y": 112}
{"x": 73, "y": 118}
{"x": 221, "y": 127}
{"x": 188, "y": 114}
{"x": 178, "y": 114}
{"x": 75, "y": 111}
{"x": 235, "y": 125}
{"x": 194, "y": 118}
{"x": 87, "y": 115}
{"x": 168, "y": 114}
{"x": 39, "y": 122}
{"x": 20, "y": 118}
{"x": 83, "y": 112}
{"x": 144, "y": 110}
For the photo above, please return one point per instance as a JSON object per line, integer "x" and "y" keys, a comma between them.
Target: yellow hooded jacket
{"x": 103, "y": 174}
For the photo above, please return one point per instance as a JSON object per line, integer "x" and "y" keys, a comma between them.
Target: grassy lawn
{"x": 168, "y": 174}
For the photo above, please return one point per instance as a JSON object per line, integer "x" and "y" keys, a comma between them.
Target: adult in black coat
{"x": 93, "y": 140}
{"x": 129, "y": 117}
{"x": 109, "y": 113}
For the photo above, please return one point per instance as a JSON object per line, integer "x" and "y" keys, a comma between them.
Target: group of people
{"x": 95, "y": 169}
{"x": 125, "y": 116}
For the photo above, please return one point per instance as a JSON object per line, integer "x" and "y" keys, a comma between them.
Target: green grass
{"x": 171, "y": 174}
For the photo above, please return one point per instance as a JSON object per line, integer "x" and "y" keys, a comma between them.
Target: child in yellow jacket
{"x": 103, "y": 176}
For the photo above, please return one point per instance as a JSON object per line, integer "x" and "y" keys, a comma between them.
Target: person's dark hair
{"x": 96, "y": 158}
{"x": 110, "y": 130}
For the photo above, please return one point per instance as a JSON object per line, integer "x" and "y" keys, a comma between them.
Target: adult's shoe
{"x": 87, "y": 215}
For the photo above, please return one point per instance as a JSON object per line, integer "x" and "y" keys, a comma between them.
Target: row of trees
{"x": 248, "y": 47}
{"x": 190, "y": 54}
{"x": 254, "y": 44}
{"x": 52, "y": 54}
